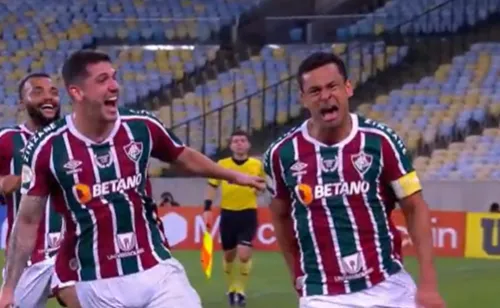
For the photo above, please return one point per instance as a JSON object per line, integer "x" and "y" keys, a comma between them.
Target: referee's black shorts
{"x": 237, "y": 228}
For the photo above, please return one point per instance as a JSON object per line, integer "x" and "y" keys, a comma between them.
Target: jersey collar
{"x": 78, "y": 135}
{"x": 352, "y": 134}
{"x": 25, "y": 129}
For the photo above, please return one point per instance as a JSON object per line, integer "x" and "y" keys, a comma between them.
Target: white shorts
{"x": 398, "y": 291}
{"x": 162, "y": 286}
{"x": 33, "y": 289}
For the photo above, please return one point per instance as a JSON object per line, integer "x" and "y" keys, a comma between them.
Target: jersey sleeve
{"x": 215, "y": 182}
{"x": 262, "y": 173}
{"x": 398, "y": 170}
{"x": 166, "y": 146}
{"x": 273, "y": 173}
{"x": 36, "y": 177}
{"x": 5, "y": 153}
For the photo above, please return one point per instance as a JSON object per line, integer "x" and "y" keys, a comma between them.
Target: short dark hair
{"x": 318, "y": 59}
{"x": 27, "y": 78}
{"x": 75, "y": 66}
{"x": 494, "y": 207}
{"x": 239, "y": 132}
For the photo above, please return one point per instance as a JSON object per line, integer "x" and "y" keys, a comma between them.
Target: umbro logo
{"x": 298, "y": 168}
{"x": 72, "y": 167}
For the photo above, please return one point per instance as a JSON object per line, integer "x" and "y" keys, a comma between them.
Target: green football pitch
{"x": 464, "y": 283}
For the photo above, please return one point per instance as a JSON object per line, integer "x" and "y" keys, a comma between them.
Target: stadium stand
{"x": 37, "y": 36}
{"x": 441, "y": 107}
{"x": 274, "y": 64}
{"x": 172, "y": 20}
{"x": 236, "y": 99}
{"x": 421, "y": 16}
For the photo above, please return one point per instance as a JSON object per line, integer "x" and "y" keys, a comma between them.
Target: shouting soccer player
{"x": 238, "y": 217}
{"x": 39, "y": 97}
{"x": 335, "y": 180}
{"x": 94, "y": 163}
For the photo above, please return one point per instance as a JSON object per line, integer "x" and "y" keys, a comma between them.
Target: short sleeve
{"x": 398, "y": 170}
{"x": 166, "y": 146}
{"x": 273, "y": 173}
{"x": 36, "y": 177}
{"x": 215, "y": 182}
{"x": 5, "y": 153}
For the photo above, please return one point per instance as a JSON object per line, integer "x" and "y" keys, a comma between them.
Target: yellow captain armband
{"x": 406, "y": 185}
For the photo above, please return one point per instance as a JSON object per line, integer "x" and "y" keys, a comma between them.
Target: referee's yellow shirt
{"x": 236, "y": 197}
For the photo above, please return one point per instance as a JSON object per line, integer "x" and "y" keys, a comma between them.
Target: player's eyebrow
{"x": 319, "y": 87}
{"x": 101, "y": 75}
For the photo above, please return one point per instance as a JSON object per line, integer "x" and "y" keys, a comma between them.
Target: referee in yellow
{"x": 238, "y": 218}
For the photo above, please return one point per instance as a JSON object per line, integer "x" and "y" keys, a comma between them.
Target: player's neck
{"x": 331, "y": 135}
{"x": 31, "y": 125}
{"x": 97, "y": 132}
{"x": 240, "y": 157}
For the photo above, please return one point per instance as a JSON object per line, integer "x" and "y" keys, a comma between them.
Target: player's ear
{"x": 22, "y": 105}
{"x": 75, "y": 92}
{"x": 303, "y": 99}
{"x": 348, "y": 88}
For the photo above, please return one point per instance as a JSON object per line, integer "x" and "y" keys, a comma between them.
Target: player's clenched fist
{"x": 10, "y": 183}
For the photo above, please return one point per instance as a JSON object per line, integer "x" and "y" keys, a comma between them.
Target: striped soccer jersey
{"x": 341, "y": 197}
{"x": 103, "y": 193}
{"x": 12, "y": 142}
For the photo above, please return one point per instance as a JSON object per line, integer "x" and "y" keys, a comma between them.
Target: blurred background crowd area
{"x": 428, "y": 68}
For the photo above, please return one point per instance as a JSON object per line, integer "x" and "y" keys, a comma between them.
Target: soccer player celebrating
{"x": 335, "y": 180}
{"x": 94, "y": 163}
{"x": 238, "y": 217}
{"x": 39, "y": 97}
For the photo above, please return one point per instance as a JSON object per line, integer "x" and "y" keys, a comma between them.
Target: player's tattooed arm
{"x": 283, "y": 229}
{"x": 23, "y": 237}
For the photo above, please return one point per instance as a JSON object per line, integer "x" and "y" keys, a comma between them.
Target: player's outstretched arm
{"x": 198, "y": 164}
{"x": 22, "y": 239}
{"x": 417, "y": 216}
{"x": 283, "y": 229}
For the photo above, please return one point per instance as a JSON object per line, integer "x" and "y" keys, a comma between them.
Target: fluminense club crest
{"x": 134, "y": 150}
{"x": 362, "y": 162}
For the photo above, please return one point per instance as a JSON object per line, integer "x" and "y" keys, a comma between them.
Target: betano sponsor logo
{"x": 84, "y": 193}
{"x": 307, "y": 195}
